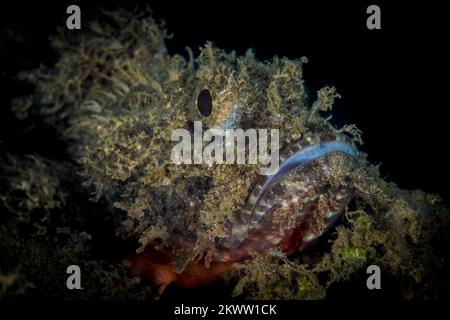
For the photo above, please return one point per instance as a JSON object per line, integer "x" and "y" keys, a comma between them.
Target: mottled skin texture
{"x": 117, "y": 95}
{"x": 292, "y": 214}
{"x": 114, "y": 97}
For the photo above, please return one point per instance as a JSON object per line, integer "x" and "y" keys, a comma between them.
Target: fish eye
{"x": 204, "y": 103}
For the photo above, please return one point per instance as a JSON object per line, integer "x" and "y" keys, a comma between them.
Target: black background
{"x": 392, "y": 81}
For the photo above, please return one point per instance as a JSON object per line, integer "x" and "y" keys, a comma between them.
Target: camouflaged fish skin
{"x": 119, "y": 95}
{"x": 115, "y": 95}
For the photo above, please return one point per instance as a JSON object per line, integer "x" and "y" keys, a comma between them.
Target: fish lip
{"x": 308, "y": 152}
{"x": 300, "y": 158}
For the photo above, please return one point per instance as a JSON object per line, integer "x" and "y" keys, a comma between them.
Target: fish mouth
{"x": 311, "y": 187}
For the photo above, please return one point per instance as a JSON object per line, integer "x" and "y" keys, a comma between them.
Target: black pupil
{"x": 204, "y": 103}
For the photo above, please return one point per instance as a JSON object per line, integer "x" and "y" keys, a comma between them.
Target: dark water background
{"x": 392, "y": 81}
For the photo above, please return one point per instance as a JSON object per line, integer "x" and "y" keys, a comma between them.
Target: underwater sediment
{"x": 135, "y": 222}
